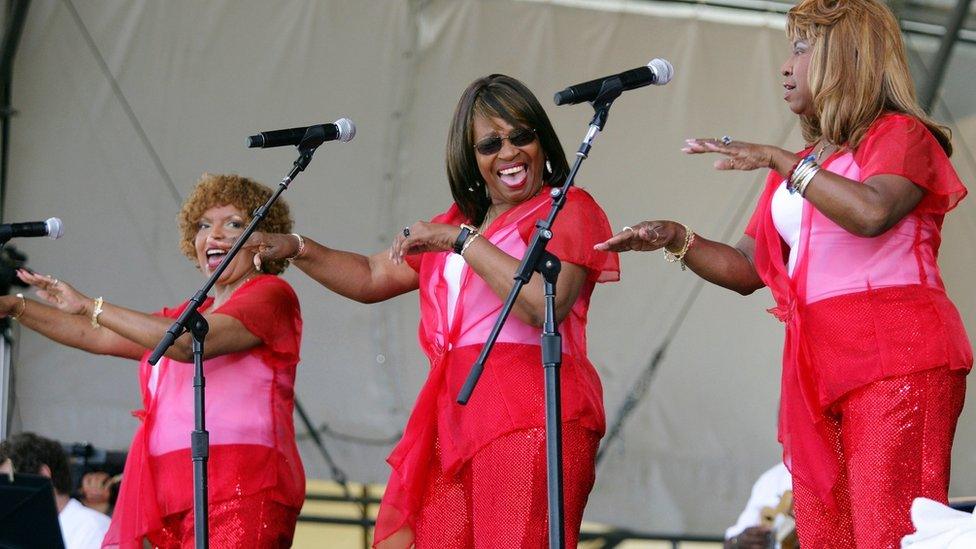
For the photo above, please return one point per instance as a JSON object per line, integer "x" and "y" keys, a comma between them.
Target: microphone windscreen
{"x": 662, "y": 69}
{"x": 55, "y": 229}
{"x": 347, "y": 130}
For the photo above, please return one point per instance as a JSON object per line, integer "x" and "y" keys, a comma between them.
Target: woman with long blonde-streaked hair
{"x": 846, "y": 236}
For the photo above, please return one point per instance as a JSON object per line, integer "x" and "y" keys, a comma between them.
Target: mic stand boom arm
{"x": 537, "y": 259}
{"x": 191, "y": 320}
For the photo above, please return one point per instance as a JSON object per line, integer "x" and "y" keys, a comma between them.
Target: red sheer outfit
{"x": 445, "y": 458}
{"x": 250, "y": 399}
{"x": 860, "y": 312}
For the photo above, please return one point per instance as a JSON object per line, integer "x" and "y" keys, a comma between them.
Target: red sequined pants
{"x": 893, "y": 440}
{"x": 252, "y": 521}
{"x": 498, "y": 499}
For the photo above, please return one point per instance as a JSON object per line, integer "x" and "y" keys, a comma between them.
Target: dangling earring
{"x": 548, "y": 168}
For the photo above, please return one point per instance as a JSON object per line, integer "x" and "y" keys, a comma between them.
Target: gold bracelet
{"x": 96, "y": 312}
{"x": 474, "y": 236}
{"x": 23, "y": 308}
{"x": 679, "y": 256}
{"x": 301, "y": 247}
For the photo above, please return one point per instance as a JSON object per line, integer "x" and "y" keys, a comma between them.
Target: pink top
{"x": 249, "y": 406}
{"x": 509, "y": 394}
{"x": 857, "y": 309}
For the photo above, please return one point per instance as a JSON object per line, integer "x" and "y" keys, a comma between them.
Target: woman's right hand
{"x": 56, "y": 292}
{"x": 645, "y": 236}
{"x": 269, "y": 246}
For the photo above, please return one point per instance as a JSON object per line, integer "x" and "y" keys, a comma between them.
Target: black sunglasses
{"x": 519, "y": 138}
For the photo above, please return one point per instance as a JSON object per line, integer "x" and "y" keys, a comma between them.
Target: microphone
{"x": 342, "y": 130}
{"x": 51, "y": 228}
{"x": 657, "y": 72}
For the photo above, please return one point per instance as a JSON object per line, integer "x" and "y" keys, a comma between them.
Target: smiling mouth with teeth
{"x": 514, "y": 176}
{"x": 214, "y": 257}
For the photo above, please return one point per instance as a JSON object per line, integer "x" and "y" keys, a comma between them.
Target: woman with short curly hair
{"x": 256, "y": 483}
{"x": 846, "y": 236}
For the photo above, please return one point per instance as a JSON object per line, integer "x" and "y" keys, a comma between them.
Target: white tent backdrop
{"x": 122, "y": 105}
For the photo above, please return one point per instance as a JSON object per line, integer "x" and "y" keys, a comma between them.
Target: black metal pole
{"x": 552, "y": 354}
{"x": 199, "y": 438}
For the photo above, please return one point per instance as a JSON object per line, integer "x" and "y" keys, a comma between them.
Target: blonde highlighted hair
{"x": 858, "y": 70}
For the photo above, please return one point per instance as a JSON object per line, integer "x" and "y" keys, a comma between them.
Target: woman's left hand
{"x": 58, "y": 293}
{"x": 739, "y": 155}
{"x": 423, "y": 237}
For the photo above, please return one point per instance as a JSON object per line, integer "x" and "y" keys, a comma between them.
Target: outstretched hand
{"x": 645, "y": 236}
{"x": 738, "y": 155}
{"x": 57, "y": 293}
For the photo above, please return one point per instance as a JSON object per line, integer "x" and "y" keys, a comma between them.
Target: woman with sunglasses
{"x": 475, "y": 475}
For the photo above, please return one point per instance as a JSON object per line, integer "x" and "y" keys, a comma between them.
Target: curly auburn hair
{"x": 215, "y": 190}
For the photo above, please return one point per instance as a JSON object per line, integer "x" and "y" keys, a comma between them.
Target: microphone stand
{"x": 192, "y": 321}
{"x": 537, "y": 259}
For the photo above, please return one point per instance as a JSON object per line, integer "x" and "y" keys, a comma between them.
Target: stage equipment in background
{"x": 341, "y": 130}
{"x": 52, "y": 228}
{"x": 537, "y": 259}
{"x": 192, "y": 321}
{"x": 84, "y": 458}
{"x": 28, "y": 516}
{"x": 10, "y": 260}
{"x": 658, "y": 72}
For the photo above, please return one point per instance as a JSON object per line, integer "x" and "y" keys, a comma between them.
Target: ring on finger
{"x": 726, "y": 140}
{"x": 629, "y": 228}
{"x": 406, "y": 231}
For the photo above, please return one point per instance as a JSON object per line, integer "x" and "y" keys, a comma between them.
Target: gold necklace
{"x": 822, "y": 149}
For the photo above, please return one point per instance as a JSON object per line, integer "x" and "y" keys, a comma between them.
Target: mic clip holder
{"x": 537, "y": 259}
{"x": 190, "y": 320}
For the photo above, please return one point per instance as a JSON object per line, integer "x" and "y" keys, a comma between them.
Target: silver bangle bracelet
{"x": 802, "y": 171}
{"x": 802, "y": 187}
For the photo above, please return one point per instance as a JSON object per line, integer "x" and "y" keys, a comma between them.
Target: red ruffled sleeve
{"x": 580, "y": 225}
{"x": 899, "y": 144}
{"x": 268, "y": 307}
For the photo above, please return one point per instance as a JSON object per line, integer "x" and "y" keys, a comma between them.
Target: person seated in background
{"x": 99, "y": 491}
{"x": 757, "y": 527}
{"x": 81, "y": 527}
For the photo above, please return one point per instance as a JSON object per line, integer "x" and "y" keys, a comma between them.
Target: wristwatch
{"x": 466, "y": 231}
